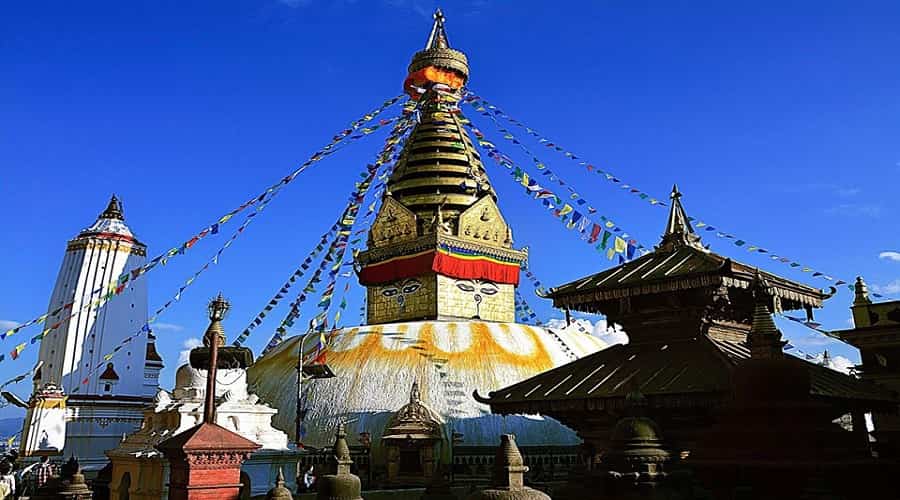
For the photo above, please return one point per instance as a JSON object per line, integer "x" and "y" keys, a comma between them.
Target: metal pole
{"x": 298, "y": 420}
{"x": 209, "y": 410}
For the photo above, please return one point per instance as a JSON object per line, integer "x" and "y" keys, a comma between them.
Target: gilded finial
{"x": 861, "y": 292}
{"x": 438, "y": 37}
{"x": 113, "y": 209}
{"x": 217, "y": 308}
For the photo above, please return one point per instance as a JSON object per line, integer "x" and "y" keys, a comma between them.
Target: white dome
{"x": 375, "y": 367}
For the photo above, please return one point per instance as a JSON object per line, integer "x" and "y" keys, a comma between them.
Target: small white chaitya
{"x": 82, "y": 402}
{"x": 141, "y": 470}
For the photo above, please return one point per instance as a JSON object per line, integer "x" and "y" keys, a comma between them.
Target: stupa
{"x": 140, "y": 470}
{"x": 441, "y": 273}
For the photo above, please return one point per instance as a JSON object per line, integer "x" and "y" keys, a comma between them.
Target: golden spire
{"x": 437, "y": 62}
{"x": 438, "y": 37}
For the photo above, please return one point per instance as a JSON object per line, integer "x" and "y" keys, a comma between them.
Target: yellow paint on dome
{"x": 520, "y": 340}
{"x": 453, "y": 339}
{"x": 398, "y": 337}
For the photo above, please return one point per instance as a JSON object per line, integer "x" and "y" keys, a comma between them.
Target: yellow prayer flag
{"x": 621, "y": 245}
{"x": 565, "y": 209}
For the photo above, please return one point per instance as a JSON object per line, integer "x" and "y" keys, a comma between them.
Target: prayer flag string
{"x": 602, "y": 236}
{"x": 118, "y": 285}
{"x": 551, "y": 176}
{"x": 490, "y": 110}
{"x": 146, "y": 327}
{"x": 339, "y": 244}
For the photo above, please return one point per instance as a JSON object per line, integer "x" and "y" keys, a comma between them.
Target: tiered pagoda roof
{"x": 687, "y": 312}
{"x": 680, "y": 262}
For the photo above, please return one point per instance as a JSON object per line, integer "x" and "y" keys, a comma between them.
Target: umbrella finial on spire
{"x": 438, "y": 37}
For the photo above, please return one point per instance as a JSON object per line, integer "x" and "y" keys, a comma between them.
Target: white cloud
{"x": 837, "y": 363}
{"x": 610, "y": 335}
{"x": 894, "y": 256}
{"x": 185, "y": 354}
{"x": 891, "y": 288}
{"x": 6, "y": 324}
{"x": 855, "y": 210}
{"x": 167, "y": 327}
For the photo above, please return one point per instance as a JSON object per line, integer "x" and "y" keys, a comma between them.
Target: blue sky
{"x": 778, "y": 120}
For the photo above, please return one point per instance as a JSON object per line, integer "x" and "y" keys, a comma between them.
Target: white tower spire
{"x": 93, "y": 259}
{"x": 109, "y": 403}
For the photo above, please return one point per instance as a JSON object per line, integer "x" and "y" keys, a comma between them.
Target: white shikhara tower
{"x": 110, "y": 403}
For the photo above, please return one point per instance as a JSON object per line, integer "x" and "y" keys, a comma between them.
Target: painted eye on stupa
{"x": 465, "y": 286}
{"x": 489, "y": 289}
{"x": 390, "y": 292}
{"x": 411, "y": 287}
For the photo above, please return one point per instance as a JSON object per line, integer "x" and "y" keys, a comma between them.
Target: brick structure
{"x": 205, "y": 463}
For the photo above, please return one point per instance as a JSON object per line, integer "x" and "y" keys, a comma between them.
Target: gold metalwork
{"x": 439, "y": 192}
{"x": 483, "y": 223}
{"x": 394, "y": 224}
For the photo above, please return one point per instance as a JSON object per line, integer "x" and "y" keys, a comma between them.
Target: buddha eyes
{"x": 485, "y": 288}
{"x": 404, "y": 288}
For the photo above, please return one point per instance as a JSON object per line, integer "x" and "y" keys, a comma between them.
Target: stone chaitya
{"x": 508, "y": 481}
{"x": 688, "y": 313}
{"x": 440, "y": 272}
{"x": 141, "y": 470}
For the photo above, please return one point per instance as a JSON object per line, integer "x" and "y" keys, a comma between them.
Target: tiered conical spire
{"x": 113, "y": 210}
{"x": 679, "y": 232}
{"x": 439, "y": 220}
{"x": 439, "y": 173}
{"x": 764, "y": 338}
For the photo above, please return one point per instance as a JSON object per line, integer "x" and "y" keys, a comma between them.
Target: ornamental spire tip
{"x": 438, "y": 37}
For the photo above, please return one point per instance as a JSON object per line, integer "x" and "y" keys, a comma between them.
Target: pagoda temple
{"x": 687, "y": 312}
{"x": 441, "y": 272}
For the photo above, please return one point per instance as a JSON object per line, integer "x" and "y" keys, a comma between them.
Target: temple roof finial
{"x": 113, "y": 210}
{"x": 679, "y": 231}
{"x": 438, "y": 37}
{"x": 764, "y": 338}
{"x": 861, "y": 292}
{"x": 414, "y": 395}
